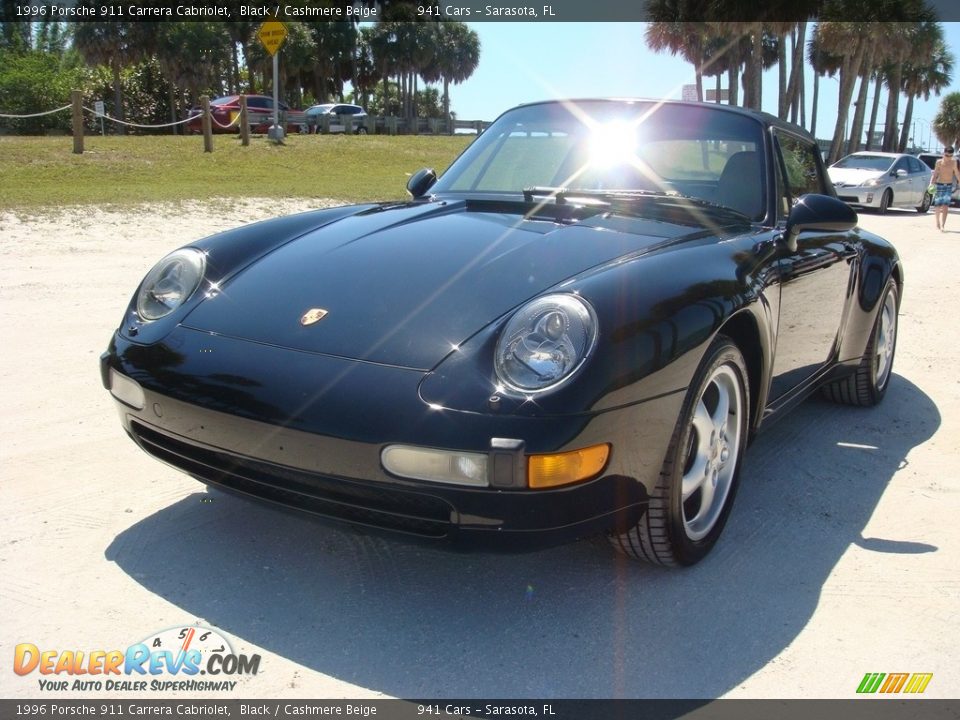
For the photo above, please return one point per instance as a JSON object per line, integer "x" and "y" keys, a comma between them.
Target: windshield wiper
{"x": 619, "y": 200}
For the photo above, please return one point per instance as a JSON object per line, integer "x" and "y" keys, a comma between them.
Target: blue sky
{"x": 526, "y": 61}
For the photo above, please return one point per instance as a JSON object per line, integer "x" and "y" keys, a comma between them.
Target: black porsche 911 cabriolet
{"x": 576, "y": 329}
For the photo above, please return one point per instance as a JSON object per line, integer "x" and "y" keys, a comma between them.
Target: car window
{"x": 929, "y": 160}
{"x": 257, "y": 102}
{"x": 901, "y": 164}
{"x": 800, "y": 165}
{"x": 864, "y": 161}
{"x": 602, "y": 146}
{"x": 916, "y": 166}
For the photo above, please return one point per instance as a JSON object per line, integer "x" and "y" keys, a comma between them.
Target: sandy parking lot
{"x": 841, "y": 556}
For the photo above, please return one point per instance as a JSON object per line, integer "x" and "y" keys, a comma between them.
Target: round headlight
{"x": 545, "y": 342}
{"x": 170, "y": 283}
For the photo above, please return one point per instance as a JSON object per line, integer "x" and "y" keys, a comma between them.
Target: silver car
{"x": 882, "y": 180}
{"x": 336, "y": 115}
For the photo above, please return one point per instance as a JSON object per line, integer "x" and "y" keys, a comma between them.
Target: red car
{"x": 225, "y": 111}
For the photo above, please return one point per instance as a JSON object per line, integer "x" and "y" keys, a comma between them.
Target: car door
{"x": 902, "y": 184}
{"x": 815, "y": 280}
{"x": 919, "y": 177}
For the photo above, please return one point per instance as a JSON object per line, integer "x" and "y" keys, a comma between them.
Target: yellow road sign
{"x": 272, "y": 34}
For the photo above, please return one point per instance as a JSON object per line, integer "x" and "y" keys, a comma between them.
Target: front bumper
{"x": 335, "y": 471}
{"x": 861, "y": 196}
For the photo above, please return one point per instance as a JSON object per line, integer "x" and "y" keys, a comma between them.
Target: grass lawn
{"x": 38, "y": 172}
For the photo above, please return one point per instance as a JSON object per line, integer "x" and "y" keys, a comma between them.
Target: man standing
{"x": 945, "y": 173}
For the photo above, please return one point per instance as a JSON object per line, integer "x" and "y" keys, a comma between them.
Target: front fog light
{"x": 458, "y": 468}
{"x": 126, "y": 390}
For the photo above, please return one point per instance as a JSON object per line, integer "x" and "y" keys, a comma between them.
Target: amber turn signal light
{"x": 554, "y": 470}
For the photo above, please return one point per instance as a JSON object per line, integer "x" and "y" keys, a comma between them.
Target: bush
{"x": 35, "y": 82}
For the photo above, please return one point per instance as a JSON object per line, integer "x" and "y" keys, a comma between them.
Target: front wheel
{"x": 885, "y": 201}
{"x": 698, "y": 479}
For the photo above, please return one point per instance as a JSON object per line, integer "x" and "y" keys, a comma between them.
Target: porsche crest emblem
{"x": 313, "y": 315}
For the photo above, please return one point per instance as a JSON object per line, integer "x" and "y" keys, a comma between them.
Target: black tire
{"x": 925, "y": 205}
{"x": 885, "y": 201}
{"x": 361, "y": 131}
{"x": 868, "y": 384}
{"x": 681, "y": 531}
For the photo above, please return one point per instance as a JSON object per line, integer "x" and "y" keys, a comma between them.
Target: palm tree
{"x": 823, "y": 63}
{"x": 684, "y": 38}
{"x": 930, "y": 76}
{"x": 193, "y": 55}
{"x": 334, "y": 46}
{"x": 115, "y": 45}
{"x": 456, "y": 54}
{"x": 366, "y": 73}
{"x": 849, "y": 42}
{"x": 946, "y": 123}
{"x": 907, "y": 42}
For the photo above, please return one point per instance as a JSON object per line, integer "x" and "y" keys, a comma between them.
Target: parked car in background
{"x": 225, "y": 112}
{"x": 930, "y": 160}
{"x": 337, "y": 113}
{"x": 882, "y": 180}
{"x": 576, "y": 329}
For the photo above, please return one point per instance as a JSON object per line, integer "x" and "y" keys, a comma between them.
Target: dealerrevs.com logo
{"x": 891, "y": 683}
{"x": 191, "y": 658}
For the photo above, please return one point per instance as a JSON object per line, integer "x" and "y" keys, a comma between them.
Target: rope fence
{"x": 35, "y": 115}
{"x": 389, "y": 125}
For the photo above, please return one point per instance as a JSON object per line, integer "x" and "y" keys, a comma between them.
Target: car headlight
{"x": 170, "y": 282}
{"x": 872, "y": 182}
{"x": 545, "y": 342}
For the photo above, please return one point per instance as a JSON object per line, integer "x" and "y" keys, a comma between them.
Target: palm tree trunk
{"x": 782, "y": 99}
{"x": 848, "y": 78}
{"x": 907, "y": 120}
{"x": 859, "y": 111}
{"x": 874, "y": 111}
{"x": 756, "y": 59}
{"x": 118, "y": 99}
{"x": 446, "y": 105}
{"x": 234, "y": 69}
{"x": 816, "y": 99}
{"x": 795, "y": 86}
{"x": 893, "y": 109}
{"x": 173, "y": 106}
{"x": 733, "y": 83}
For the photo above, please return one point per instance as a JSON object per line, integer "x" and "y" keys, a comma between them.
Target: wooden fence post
{"x": 244, "y": 125}
{"x": 207, "y": 123}
{"x": 76, "y": 99}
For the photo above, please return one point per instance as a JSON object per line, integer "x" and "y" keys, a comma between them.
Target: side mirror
{"x": 901, "y": 173}
{"x": 420, "y": 182}
{"x": 818, "y": 212}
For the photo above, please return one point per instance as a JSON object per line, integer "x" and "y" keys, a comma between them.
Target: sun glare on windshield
{"x": 613, "y": 144}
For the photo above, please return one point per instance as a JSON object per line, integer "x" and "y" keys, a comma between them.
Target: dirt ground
{"x": 841, "y": 556}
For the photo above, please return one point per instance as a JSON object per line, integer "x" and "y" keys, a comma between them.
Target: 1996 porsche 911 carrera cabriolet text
{"x": 576, "y": 329}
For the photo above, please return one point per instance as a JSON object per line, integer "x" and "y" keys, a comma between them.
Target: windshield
{"x": 696, "y": 151}
{"x": 878, "y": 163}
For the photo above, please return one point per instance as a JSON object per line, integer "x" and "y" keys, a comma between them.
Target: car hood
{"x": 406, "y": 284}
{"x": 851, "y": 176}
